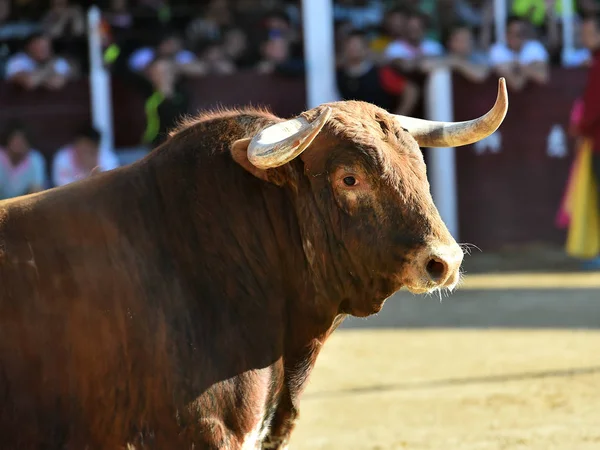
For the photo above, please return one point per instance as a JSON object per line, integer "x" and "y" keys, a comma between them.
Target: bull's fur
{"x": 183, "y": 299}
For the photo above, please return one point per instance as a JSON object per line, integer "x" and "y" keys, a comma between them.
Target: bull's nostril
{"x": 436, "y": 270}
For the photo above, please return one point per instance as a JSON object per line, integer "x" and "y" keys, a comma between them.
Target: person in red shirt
{"x": 589, "y": 122}
{"x": 359, "y": 77}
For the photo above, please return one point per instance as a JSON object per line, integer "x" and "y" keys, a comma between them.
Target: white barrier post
{"x": 99, "y": 78}
{"x": 319, "y": 51}
{"x": 500, "y": 9}
{"x": 568, "y": 29}
{"x": 439, "y": 106}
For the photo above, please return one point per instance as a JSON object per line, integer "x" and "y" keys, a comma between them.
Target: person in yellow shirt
{"x": 393, "y": 27}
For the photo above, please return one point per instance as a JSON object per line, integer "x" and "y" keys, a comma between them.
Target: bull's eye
{"x": 350, "y": 181}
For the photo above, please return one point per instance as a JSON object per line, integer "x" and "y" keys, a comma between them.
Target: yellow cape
{"x": 583, "y": 237}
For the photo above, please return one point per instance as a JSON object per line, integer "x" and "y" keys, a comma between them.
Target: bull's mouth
{"x": 420, "y": 290}
{"x": 423, "y": 286}
{"x": 429, "y": 288}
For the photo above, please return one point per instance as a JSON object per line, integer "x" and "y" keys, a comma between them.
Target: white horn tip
{"x": 502, "y": 90}
{"x": 502, "y": 95}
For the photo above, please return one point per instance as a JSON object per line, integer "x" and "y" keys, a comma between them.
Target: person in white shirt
{"x": 37, "y": 66}
{"x": 77, "y": 161}
{"x": 462, "y": 55}
{"x": 22, "y": 169}
{"x": 520, "y": 59}
{"x": 415, "y": 45}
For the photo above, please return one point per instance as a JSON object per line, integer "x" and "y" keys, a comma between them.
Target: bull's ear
{"x": 239, "y": 153}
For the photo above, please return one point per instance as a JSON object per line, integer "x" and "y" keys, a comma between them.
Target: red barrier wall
{"x": 284, "y": 96}
{"x": 511, "y": 196}
{"x": 52, "y": 117}
{"x": 507, "y": 195}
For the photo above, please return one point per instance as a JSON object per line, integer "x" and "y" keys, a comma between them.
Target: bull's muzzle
{"x": 436, "y": 267}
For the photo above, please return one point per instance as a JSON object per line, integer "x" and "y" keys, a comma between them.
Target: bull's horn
{"x": 453, "y": 134}
{"x": 280, "y": 143}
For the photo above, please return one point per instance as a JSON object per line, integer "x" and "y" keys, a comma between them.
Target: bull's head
{"x": 359, "y": 187}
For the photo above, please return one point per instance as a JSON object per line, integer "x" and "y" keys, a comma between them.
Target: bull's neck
{"x": 310, "y": 315}
{"x": 246, "y": 237}
{"x": 240, "y": 242}
{"x": 243, "y": 236}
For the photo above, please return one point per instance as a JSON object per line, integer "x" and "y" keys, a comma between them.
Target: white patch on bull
{"x": 309, "y": 251}
{"x": 254, "y": 439}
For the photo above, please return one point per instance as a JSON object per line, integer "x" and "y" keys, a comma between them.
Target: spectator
{"x": 216, "y": 60}
{"x": 276, "y": 57}
{"x": 360, "y": 79}
{"x": 22, "y": 169}
{"x": 77, "y": 161}
{"x": 277, "y": 22}
{"x": 64, "y": 20}
{"x": 544, "y": 16}
{"x": 64, "y": 23}
{"x": 477, "y": 15}
{"x": 462, "y": 57}
{"x": 235, "y": 46}
{"x": 37, "y": 66}
{"x": 414, "y": 46}
{"x": 170, "y": 46}
{"x": 588, "y": 125}
{"x": 166, "y": 101}
{"x": 392, "y": 29}
{"x": 460, "y": 41}
{"x": 211, "y": 24}
{"x": 521, "y": 59}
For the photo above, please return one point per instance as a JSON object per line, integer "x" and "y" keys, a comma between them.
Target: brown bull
{"x": 184, "y": 299}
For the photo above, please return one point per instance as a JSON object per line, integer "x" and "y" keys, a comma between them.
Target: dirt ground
{"x": 510, "y": 361}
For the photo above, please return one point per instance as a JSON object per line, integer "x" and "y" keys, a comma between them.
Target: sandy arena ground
{"x": 511, "y": 361}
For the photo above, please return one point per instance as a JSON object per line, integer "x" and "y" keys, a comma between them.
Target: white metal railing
{"x": 500, "y": 16}
{"x": 99, "y": 79}
{"x": 319, "y": 51}
{"x": 568, "y": 29}
{"x": 441, "y": 165}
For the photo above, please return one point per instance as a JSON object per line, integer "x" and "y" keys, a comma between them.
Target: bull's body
{"x": 129, "y": 296}
{"x": 181, "y": 302}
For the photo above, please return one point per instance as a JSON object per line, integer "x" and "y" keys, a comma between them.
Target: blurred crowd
{"x": 383, "y": 48}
